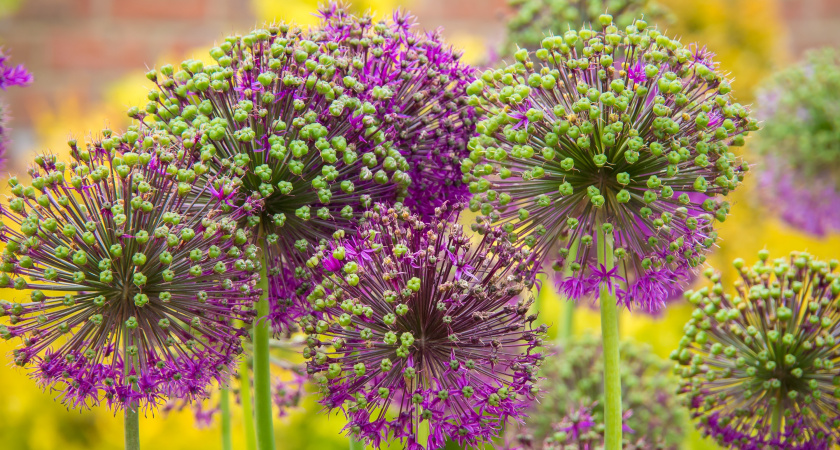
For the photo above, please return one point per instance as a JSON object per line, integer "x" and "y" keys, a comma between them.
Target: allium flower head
{"x": 424, "y": 98}
{"x": 284, "y": 120}
{"x": 579, "y": 429}
{"x": 577, "y": 148}
{"x": 430, "y": 331}
{"x": 759, "y": 365}
{"x": 574, "y": 376}
{"x": 800, "y": 144}
{"x": 532, "y": 19}
{"x": 132, "y": 288}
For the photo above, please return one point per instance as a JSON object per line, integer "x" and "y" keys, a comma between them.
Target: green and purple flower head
{"x": 620, "y": 132}
{"x": 573, "y": 376}
{"x": 314, "y": 125}
{"x": 127, "y": 288}
{"x": 416, "y": 326}
{"x": 760, "y": 364}
{"x": 800, "y": 144}
{"x": 423, "y": 85}
{"x": 532, "y": 19}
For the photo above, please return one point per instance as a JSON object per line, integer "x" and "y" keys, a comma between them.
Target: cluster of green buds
{"x": 134, "y": 288}
{"x": 574, "y": 377}
{"x": 532, "y": 19}
{"x": 624, "y": 133}
{"x": 760, "y": 365}
{"x": 286, "y": 126}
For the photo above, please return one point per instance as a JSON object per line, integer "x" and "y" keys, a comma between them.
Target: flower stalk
{"x": 262, "y": 366}
{"x": 227, "y": 443}
{"x": 609, "y": 331}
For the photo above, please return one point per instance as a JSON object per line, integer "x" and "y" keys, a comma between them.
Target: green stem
{"x": 356, "y": 445}
{"x": 776, "y": 425}
{"x": 227, "y": 443}
{"x": 262, "y": 366}
{"x": 132, "y": 427}
{"x": 568, "y": 310}
{"x": 609, "y": 332}
{"x": 247, "y": 409}
{"x": 131, "y": 420}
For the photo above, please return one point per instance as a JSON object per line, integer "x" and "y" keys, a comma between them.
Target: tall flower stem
{"x": 132, "y": 428}
{"x": 609, "y": 332}
{"x": 262, "y": 366}
{"x": 776, "y": 425}
{"x": 247, "y": 408}
{"x": 227, "y": 444}
{"x": 567, "y": 318}
{"x": 131, "y": 420}
{"x": 356, "y": 445}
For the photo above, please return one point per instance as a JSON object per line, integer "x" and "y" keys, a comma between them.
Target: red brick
{"x": 159, "y": 9}
{"x": 72, "y": 51}
{"x": 54, "y": 9}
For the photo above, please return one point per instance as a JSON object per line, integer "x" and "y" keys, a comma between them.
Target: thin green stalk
{"x": 356, "y": 445}
{"x": 132, "y": 427}
{"x": 262, "y": 366}
{"x": 609, "y": 332}
{"x": 131, "y": 419}
{"x": 568, "y": 310}
{"x": 776, "y": 424}
{"x": 227, "y": 443}
{"x": 247, "y": 408}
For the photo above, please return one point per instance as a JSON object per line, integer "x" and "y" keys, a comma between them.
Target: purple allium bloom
{"x": 572, "y": 378}
{"x": 800, "y": 144}
{"x": 12, "y": 75}
{"x": 287, "y": 393}
{"x": 403, "y": 343}
{"x": 811, "y": 203}
{"x": 422, "y": 94}
{"x": 134, "y": 287}
{"x": 578, "y": 148}
{"x": 284, "y": 119}
{"x": 759, "y": 366}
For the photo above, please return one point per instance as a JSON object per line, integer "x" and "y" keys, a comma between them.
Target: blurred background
{"x": 88, "y": 58}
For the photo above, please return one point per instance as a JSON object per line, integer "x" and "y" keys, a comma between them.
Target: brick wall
{"x": 79, "y": 46}
{"x": 811, "y": 23}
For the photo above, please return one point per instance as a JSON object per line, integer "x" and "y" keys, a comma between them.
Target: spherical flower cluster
{"x": 620, "y": 134}
{"x": 417, "y": 327}
{"x": 423, "y": 86}
{"x": 573, "y": 376}
{"x": 308, "y": 124}
{"x": 800, "y": 144}
{"x": 580, "y": 430}
{"x": 532, "y": 19}
{"x": 759, "y": 366}
{"x": 132, "y": 287}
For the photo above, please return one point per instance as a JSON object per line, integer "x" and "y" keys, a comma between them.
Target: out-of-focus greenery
{"x": 745, "y": 34}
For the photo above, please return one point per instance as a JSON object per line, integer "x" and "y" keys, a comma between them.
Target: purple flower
{"x": 134, "y": 306}
{"x": 632, "y": 157}
{"x": 289, "y": 126}
{"x": 407, "y": 333}
{"x": 800, "y": 146}
{"x": 758, "y": 367}
{"x": 12, "y": 75}
{"x": 422, "y": 94}
{"x": 287, "y": 393}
